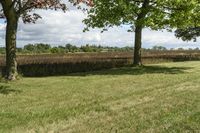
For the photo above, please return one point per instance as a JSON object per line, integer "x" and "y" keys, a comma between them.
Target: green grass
{"x": 155, "y": 98}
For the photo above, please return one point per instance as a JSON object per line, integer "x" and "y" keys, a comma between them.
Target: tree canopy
{"x": 158, "y": 14}
{"x": 139, "y": 14}
{"x": 188, "y": 34}
{"x": 24, "y": 8}
{"x": 191, "y": 29}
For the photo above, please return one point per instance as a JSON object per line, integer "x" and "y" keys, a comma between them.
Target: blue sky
{"x": 58, "y": 28}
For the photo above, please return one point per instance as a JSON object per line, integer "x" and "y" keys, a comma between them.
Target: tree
{"x": 139, "y": 14}
{"x": 159, "y": 48}
{"x": 29, "y": 47}
{"x": 12, "y": 11}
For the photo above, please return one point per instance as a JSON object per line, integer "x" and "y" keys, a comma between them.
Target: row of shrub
{"x": 50, "y": 69}
{"x": 47, "y": 65}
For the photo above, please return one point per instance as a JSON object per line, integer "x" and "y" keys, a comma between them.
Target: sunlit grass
{"x": 155, "y": 98}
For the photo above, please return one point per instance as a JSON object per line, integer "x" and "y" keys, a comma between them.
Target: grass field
{"x": 156, "y": 98}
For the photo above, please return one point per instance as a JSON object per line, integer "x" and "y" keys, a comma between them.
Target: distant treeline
{"x": 69, "y": 48}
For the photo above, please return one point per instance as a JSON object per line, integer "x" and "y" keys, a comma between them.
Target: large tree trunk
{"x": 138, "y": 43}
{"x": 11, "y": 63}
{"x": 138, "y": 33}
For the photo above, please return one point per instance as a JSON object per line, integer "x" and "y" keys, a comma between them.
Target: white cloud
{"x": 59, "y": 28}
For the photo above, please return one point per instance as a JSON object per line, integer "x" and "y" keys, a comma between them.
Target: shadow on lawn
{"x": 5, "y": 90}
{"x": 137, "y": 71}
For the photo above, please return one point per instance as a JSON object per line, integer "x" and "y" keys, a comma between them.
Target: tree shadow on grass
{"x": 137, "y": 71}
{"x": 5, "y": 90}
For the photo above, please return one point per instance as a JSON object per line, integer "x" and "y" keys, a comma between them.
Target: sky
{"x": 58, "y": 28}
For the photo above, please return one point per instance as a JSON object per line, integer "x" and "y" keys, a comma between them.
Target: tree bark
{"x": 137, "y": 61}
{"x": 11, "y": 32}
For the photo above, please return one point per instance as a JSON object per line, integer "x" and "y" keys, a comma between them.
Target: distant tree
{"x": 42, "y": 48}
{"x": 154, "y": 14}
{"x": 29, "y": 47}
{"x": 46, "y": 48}
{"x": 37, "y": 48}
{"x": 161, "y": 48}
{"x": 190, "y": 49}
{"x": 62, "y": 49}
{"x": 197, "y": 49}
{"x": 19, "y": 50}
{"x": 2, "y": 50}
{"x": 180, "y": 49}
{"x": 55, "y": 50}
{"x": 68, "y": 47}
{"x": 172, "y": 49}
{"x": 86, "y": 48}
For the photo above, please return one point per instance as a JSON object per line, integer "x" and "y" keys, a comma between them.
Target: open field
{"x": 156, "y": 98}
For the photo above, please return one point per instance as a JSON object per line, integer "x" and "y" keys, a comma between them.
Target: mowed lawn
{"x": 156, "y": 98}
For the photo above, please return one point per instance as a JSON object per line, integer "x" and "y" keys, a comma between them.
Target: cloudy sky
{"x": 58, "y": 28}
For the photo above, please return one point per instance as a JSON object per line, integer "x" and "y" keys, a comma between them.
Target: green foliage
{"x": 161, "y": 48}
{"x": 71, "y": 48}
{"x": 55, "y": 50}
{"x": 88, "y": 48}
{"x": 41, "y": 48}
{"x": 29, "y": 47}
{"x": 37, "y": 48}
{"x": 188, "y": 34}
{"x": 158, "y": 14}
{"x": 191, "y": 28}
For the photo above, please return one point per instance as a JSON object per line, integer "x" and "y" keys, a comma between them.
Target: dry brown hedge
{"x": 52, "y": 64}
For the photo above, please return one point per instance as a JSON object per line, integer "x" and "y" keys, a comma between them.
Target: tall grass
{"x": 61, "y": 64}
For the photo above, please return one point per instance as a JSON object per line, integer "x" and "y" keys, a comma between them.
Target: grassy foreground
{"x": 155, "y": 98}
